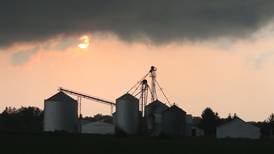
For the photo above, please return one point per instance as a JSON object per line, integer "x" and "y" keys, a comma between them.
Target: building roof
{"x": 128, "y": 97}
{"x": 156, "y": 104}
{"x": 175, "y": 108}
{"x": 98, "y": 128}
{"x": 235, "y": 120}
{"x": 155, "y": 107}
{"x": 61, "y": 97}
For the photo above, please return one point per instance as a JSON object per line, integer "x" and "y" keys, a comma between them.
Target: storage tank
{"x": 60, "y": 113}
{"x": 174, "y": 121}
{"x": 153, "y": 117}
{"x": 127, "y": 115}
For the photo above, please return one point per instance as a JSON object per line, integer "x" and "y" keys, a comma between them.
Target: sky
{"x": 209, "y": 53}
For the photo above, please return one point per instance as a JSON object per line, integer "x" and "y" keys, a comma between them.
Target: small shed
{"x": 191, "y": 128}
{"x": 97, "y": 128}
{"x": 238, "y": 128}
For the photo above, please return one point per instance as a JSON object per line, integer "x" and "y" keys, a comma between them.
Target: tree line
{"x": 30, "y": 119}
{"x": 24, "y": 119}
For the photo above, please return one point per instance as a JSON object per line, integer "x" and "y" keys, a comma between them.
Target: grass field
{"x": 92, "y": 144}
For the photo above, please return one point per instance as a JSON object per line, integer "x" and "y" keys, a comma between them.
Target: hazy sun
{"x": 84, "y": 42}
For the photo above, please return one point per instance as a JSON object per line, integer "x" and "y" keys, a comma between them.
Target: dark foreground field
{"x": 80, "y": 144}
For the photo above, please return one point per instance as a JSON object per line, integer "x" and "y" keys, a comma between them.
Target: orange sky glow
{"x": 228, "y": 76}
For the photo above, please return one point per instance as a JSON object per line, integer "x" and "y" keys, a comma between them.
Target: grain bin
{"x": 174, "y": 121}
{"x": 127, "y": 115}
{"x": 60, "y": 113}
{"x": 153, "y": 117}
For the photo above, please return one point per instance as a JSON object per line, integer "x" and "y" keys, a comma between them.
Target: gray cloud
{"x": 158, "y": 20}
{"x": 258, "y": 61}
{"x": 23, "y": 56}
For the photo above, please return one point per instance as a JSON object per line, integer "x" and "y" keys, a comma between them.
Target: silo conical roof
{"x": 127, "y": 96}
{"x": 156, "y": 106}
{"x": 157, "y": 103}
{"x": 61, "y": 97}
{"x": 174, "y": 108}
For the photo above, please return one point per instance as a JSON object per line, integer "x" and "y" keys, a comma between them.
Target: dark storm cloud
{"x": 158, "y": 20}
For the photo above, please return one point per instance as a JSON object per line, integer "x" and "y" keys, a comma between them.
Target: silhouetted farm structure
{"x": 140, "y": 112}
{"x": 23, "y": 128}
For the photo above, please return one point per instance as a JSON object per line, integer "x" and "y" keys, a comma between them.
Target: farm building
{"x": 191, "y": 128}
{"x": 127, "y": 116}
{"x": 153, "y": 117}
{"x": 174, "y": 121}
{"x": 237, "y": 128}
{"x": 61, "y": 113}
{"x": 97, "y": 128}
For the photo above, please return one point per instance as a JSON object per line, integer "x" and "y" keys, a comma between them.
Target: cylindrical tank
{"x": 127, "y": 115}
{"x": 153, "y": 117}
{"x": 61, "y": 113}
{"x": 174, "y": 121}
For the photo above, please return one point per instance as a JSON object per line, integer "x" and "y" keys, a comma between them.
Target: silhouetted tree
{"x": 225, "y": 120}
{"x": 270, "y": 119}
{"x": 209, "y": 121}
{"x": 99, "y": 117}
{"x": 24, "y": 119}
{"x": 270, "y": 122}
{"x": 196, "y": 121}
{"x": 229, "y": 117}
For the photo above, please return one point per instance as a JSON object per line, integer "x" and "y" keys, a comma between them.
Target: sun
{"x": 84, "y": 42}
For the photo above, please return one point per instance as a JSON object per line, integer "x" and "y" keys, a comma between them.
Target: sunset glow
{"x": 84, "y": 42}
{"x": 207, "y": 54}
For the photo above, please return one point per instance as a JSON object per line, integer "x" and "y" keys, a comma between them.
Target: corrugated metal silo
{"x": 174, "y": 121}
{"x": 127, "y": 115}
{"x": 153, "y": 117}
{"x": 60, "y": 113}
